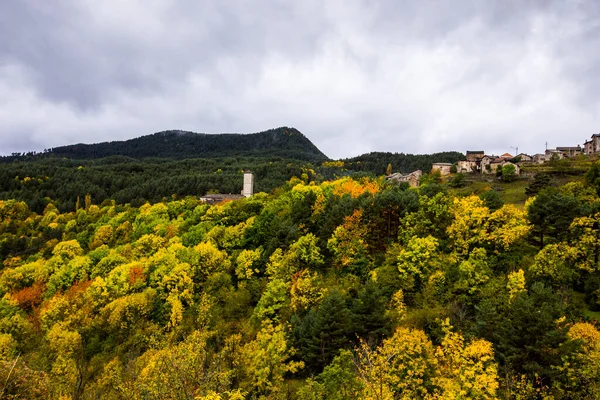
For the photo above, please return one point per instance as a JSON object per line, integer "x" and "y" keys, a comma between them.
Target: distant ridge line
{"x": 283, "y": 142}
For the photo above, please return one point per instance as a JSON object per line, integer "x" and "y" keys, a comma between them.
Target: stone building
{"x": 524, "y": 158}
{"x": 592, "y": 146}
{"x": 570, "y": 151}
{"x": 539, "y": 158}
{"x": 467, "y": 166}
{"x": 551, "y": 152}
{"x": 413, "y": 178}
{"x": 475, "y": 156}
{"x": 215, "y": 198}
{"x": 444, "y": 168}
{"x": 247, "y": 191}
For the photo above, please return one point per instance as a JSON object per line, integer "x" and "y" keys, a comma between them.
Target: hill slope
{"x": 377, "y": 162}
{"x": 281, "y": 142}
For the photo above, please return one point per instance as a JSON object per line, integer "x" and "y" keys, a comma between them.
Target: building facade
{"x": 413, "y": 179}
{"x": 444, "y": 168}
{"x": 592, "y": 146}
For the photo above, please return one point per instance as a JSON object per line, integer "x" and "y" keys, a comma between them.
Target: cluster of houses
{"x": 479, "y": 162}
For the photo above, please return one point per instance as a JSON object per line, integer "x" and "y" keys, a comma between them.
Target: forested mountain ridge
{"x": 175, "y": 144}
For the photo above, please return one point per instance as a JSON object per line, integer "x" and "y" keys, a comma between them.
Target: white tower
{"x": 248, "y": 184}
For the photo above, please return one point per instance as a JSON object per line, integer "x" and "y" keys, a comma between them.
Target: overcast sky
{"x": 353, "y": 76}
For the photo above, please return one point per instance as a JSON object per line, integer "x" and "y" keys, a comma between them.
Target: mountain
{"x": 282, "y": 142}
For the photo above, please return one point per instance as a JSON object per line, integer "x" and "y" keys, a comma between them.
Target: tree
{"x": 324, "y": 331}
{"x": 369, "y": 317}
{"x": 581, "y": 368}
{"x": 338, "y": 381}
{"x": 540, "y": 181}
{"x": 185, "y": 370}
{"x": 509, "y": 172}
{"x": 551, "y": 213}
{"x": 267, "y": 359}
{"x": 592, "y": 177}
{"x": 348, "y": 243}
{"x": 402, "y": 367}
{"x": 465, "y": 370}
{"x": 457, "y": 181}
{"x": 492, "y": 199}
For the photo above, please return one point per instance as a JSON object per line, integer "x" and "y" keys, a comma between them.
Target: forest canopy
{"x": 341, "y": 288}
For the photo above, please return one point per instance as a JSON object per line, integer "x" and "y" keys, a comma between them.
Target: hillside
{"x": 343, "y": 290}
{"x": 377, "y": 162}
{"x": 175, "y": 144}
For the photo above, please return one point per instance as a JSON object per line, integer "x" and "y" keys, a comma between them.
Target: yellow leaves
{"x": 516, "y": 283}
{"x": 583, "y": 367}
{"x": 397, "y": 306}
{"x": 407, "y": 366}
{"x": 333, "y": 164}
{"x": 68, "y": 250}
{"x": 62, "y": 309}
{"x": 470, "y": 215}
{"x": 211, "y": 259}
{"x": 122, "y": 313}
{"x": 63, "y": 341}
{"x": 266, "y": 359}
{"x": 348, "y": 243}
{"x": 506, "y": 226}
{"x": 147, "y": 245}
{"x": 303, "y": 253}
{"x": 416, "y": 258}
{"x": 246, "y": 263}
{"x": 587, "y": 333}
{"x": 8, "y": 346}
{"x": 352, "y": 187}
{"x": 587, "y": 232}
{"x": 229, "y": 237}
{"x": 465, "y": 371}
{"x": 555, "y": 261}
{"x": 228, "y": 395}
{"x": 402, "y": 367}
{"x": 102, "y": 236}
{"x": 185, "y": 370}
{"x": 474, "y": 225}
{"x": 176, "y": 310}
{"x": 305, "y": 290}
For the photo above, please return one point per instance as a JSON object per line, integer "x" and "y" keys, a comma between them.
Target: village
{"x": 478, "y": 162}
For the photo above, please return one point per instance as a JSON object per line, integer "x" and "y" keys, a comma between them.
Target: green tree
{"x": 552, "y": 212}
{"x": 509, "y": 172}
{"x": 540, "y": 181}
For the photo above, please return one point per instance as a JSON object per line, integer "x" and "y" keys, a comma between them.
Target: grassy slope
{"x": 514, "y": 192}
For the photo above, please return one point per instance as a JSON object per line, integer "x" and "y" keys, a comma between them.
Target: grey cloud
{"x": 353, "y": 75}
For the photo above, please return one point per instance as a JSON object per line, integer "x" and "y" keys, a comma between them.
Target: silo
{"x": 248, "y": 184}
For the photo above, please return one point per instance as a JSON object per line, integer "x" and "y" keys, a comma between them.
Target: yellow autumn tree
{"x": 348, "y": 242}
{"x": 581, "y": 369}
{"x": 401, "y": 368}
{"x": 468, "y": 226}
{"x": 267, "y": 359}
{"x": 408, "y": 366}
{"x": 417, "y": 257}
{"x": 465, "y": 370}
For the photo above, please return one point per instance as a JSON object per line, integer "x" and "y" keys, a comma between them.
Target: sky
{"x": 355, "y": 76}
